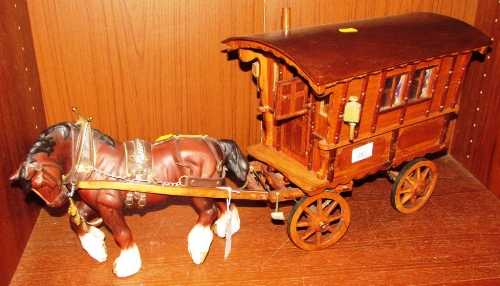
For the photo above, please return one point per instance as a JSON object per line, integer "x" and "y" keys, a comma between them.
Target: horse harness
{"x": 139, "y": 166}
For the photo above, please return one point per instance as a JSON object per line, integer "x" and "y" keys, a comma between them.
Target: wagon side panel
{"x": 420, "y": 139}
{"x": 405, "y": 113}
{"x": 357, "y": 160}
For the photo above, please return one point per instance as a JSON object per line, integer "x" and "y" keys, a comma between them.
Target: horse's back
{"x": 180, "y": 154}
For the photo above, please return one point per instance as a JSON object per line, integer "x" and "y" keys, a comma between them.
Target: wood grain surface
{"x": 21, "y": 119}
{"x": 144, "y": 69}
{"x": 453, "y": 239}
{"x": 141, "y": 68}
{"x": 477, "y": 144}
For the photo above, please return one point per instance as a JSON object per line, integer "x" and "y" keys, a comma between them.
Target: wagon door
{"x": 291, "y": 109}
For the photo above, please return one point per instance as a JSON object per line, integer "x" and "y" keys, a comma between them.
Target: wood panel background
{"x": 477, "y": 143}
{"x": 22, "y": 118}
{"x": 142, "y": 69}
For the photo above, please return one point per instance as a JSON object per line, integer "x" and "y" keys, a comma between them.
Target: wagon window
{"x": 394, "y": 90}
{"x": 420, "y": 84}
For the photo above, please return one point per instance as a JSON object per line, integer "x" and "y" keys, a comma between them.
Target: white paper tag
{"x": 227, "y": 249}
{"x": 361, "y": 153}
{"x": 229, "y": 224}
{"x": 229, "y": 231}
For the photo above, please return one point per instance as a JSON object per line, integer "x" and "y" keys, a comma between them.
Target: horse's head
{"x": 42, "y": 171}
{"x": 60, "y": 149}
{"x": 44, "y": 177}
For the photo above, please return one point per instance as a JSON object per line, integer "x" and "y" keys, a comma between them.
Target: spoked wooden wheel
{"x": 319, "y": 221}
{"x": 414, "y": 185}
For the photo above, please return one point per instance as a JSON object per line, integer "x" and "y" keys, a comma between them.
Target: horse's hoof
{"x": 128, "y": 263}
{"x": 201, "y": 257}
{"x": 93, "y": 242}
{"x": 199, "y": 241}
{"x": 220, "y": 226}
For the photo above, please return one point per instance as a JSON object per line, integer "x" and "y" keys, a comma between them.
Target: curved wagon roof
{"x": 324, "y": 55}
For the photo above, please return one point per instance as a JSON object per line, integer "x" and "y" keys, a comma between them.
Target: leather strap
{"x": 139, "y": 159}
{"x": 83, "y": 153}
{"x": 193, "y": 181}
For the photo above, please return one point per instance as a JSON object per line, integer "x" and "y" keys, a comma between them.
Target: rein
{"x": 41, "y": 168}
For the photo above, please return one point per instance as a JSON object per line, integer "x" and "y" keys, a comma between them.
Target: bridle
{"x": 41, "y": 168}
{"x": 32, "y": 168}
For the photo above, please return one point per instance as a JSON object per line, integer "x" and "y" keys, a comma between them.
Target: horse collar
{"x": 83, "y": 155}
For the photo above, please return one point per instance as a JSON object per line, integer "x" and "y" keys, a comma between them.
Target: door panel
{"x": 291, "y": 98}
{"x": 291, "y": 115}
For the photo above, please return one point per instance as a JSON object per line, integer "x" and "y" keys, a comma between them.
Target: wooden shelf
{"x": 452, "y": 239}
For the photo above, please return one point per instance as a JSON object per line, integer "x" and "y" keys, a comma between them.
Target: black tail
{"x": 235, "y": 160}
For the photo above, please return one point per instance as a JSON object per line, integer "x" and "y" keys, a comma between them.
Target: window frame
{"x": 387, "y": 100}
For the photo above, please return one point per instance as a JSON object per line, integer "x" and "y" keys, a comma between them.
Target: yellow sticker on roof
{"x": 348, "y": 30}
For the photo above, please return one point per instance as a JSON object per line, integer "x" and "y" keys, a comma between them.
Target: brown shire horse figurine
{"x": 68, "y": 153}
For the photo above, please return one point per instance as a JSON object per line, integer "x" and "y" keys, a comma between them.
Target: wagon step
{"x": 293, "y": 170}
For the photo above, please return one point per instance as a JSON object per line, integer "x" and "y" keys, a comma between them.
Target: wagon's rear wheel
{"x": 414, "y": 185}
{"x": 319, "y": 221}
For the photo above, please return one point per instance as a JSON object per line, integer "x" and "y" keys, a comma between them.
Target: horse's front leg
{"x": 221, "y": 226}
{"x": 129, "y": 262}
{"x": 201, "y": 235}
{"x": 91, "y": 238}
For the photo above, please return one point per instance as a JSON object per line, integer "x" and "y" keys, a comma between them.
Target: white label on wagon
{"x": 363, "y": 152}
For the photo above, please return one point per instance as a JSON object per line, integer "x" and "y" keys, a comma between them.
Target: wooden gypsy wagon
{"x": 344, "y": 100}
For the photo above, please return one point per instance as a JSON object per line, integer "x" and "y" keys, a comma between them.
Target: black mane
{"x": 102, "y": 137}
{"x": 45, "y": 143}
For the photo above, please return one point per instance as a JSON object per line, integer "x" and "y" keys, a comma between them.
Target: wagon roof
{"x": 324, "y": 55}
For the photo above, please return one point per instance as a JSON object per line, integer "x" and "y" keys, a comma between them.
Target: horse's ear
{"x": 15, "y": 175}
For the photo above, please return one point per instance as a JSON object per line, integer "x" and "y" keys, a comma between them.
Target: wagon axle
{"x": 322, "y": 225}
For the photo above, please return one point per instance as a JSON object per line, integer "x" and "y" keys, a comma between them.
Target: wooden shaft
{"x": 174, "y": 190}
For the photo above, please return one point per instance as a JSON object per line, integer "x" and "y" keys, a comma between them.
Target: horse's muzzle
{"x": 22, "y": 176}
{"x": 26, "y": 185}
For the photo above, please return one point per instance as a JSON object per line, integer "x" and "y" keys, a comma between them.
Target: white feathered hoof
{"x": 128, "y": 263}
{"x": 199, "y": 240}
{"x": 93, "y": 242}
{"x": 221, "y": 224}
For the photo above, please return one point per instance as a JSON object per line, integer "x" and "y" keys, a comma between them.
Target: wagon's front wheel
{"x": 414, "y": 185}
{"x": 319, "y": 221}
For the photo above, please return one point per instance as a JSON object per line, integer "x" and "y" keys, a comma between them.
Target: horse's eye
{"x": 43, "y": 185}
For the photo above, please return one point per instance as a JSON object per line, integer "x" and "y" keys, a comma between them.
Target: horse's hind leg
{"x": 201, "y": 236}
{"x": 220, "y": 226}
{"x": 91, "y": 238}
